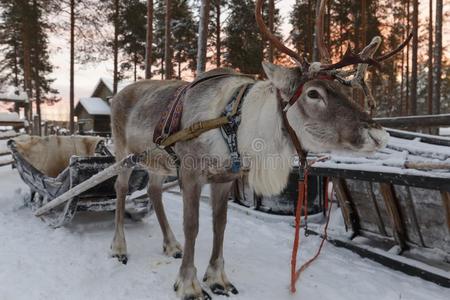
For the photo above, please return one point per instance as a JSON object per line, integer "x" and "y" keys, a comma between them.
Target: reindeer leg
{"x": 171, "y": 246}
{"x": 119, "y": 245}
{"x": 187, "y": 285}
{"x": 215, "y": 275}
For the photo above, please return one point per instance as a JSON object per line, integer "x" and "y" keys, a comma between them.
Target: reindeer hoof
{"x": 218, "y": 290}
{"x": 173, "y": 250}
{"x": 121, "y": 258}
{"x": 204, "y": 296}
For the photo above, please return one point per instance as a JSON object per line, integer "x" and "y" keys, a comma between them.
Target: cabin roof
{"x": 94, "y": 106}
{"x": 108, "y": 83}
{"x": 13, "y": 94}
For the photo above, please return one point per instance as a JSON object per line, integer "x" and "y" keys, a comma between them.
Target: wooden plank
{"x": 436, "y": 183}
{"x": 446, "y": 203}
{"x": 380, "y": 222}
{"x": 393, "y": 209}
{"x": 395, "y": 262}
{"x": 412, "y": 209}
{"x": 347, "y": 206}
{"x": 415, "y": 121}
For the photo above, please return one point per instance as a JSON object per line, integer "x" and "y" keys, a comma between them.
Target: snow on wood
{"x": 95, "y": 106}
{"x": 401, "y": 156}
{"x": 8, "y": 134}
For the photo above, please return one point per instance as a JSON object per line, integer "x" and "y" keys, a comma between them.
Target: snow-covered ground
{"x": 37, "y": 262}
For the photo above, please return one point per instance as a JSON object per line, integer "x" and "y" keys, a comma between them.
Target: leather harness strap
{"x": 200, "y": 127}
{"x": 302, "y": 154}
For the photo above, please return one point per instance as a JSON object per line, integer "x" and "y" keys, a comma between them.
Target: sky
{"x": 87, "y": 76}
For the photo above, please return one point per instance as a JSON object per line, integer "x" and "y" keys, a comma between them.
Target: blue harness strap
{"x": 229, "y": 131}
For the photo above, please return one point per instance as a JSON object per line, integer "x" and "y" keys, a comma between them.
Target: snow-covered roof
{"x": 13, "y": 94}
{"x": 108, "y": 82}
{"x": 9, "y": 117}
{"x": 95, "y": 106}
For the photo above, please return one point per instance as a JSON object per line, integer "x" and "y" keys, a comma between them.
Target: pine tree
{"x": 215, "y": 33}
{"x": 245, "y": 47}
{"x": 25, "y": 41}
{"x": 243, "y": 40}
{"x": 183, "y": 31}
{"x": 132, "y": 36}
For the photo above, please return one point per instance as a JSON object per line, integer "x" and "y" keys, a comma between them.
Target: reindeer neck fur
{"x": 262, "y": 142}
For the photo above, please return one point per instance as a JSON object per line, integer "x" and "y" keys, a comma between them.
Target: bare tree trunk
{"x": 37, "y": 85}
{"x": 430, "y": 60}
{"x": 315, "y": 54}
{"x": 438, "y": 59}
{"x": 116, "y": 46}
{"x": 415, "y": 46}
{"x": 135, "y": 66}
{"x": 218, "y": 34}
{"x": 149, "y": 40}
{"x": 271, "y": 28}
{"x": 168, "y": 42}
{"x": 26, "y": 45}
{"x": 408, "y": 27}
{"x": 202, "y": 36}
{"x": 363, "y": 38}
{"x": 72, "y": 68}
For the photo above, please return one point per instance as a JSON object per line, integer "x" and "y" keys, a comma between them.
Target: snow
{"x": 445, "y": 131}
{"x": 9, "y": 117}
{"x": 38, "y": 262}
{"x": 95, "y": 106}
{"x": 12, "y": 94}
{"x": 392, "y": 159}
{"x": 109, "y": 84}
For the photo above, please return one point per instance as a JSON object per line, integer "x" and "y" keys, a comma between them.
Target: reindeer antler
{"x": 271, "y": 37}
{"x": 362, "y": 59}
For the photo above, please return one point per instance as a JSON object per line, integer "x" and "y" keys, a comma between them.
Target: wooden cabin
{"x": 94, "y": 116}
{"x": 94, "y": 112}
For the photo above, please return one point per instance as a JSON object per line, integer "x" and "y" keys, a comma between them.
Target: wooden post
{"x": 36, "y": 125}
{"x": 347, "y": 207}
{"x": 412, "y": 208}
{"x": 394, "y": 213}
{"x": 45, "y": 128}
{"x": 446, "y": 202}
{"x": 380, "y": 222}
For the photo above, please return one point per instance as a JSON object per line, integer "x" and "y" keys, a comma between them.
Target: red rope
{"x": 302, "y": 201}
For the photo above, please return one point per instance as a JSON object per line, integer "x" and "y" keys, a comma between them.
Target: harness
{"x": 167, "y": 132}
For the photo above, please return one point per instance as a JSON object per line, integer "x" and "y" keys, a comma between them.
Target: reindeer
{"x": 311, "y": 101}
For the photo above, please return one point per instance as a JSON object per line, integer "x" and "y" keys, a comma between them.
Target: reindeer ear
{"x": 276, "y": 74}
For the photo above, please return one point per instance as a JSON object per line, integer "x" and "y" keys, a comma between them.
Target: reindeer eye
{"x": 313, "y": 94}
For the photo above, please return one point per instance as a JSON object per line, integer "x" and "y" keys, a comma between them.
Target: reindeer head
{"x": 316, "y": 96}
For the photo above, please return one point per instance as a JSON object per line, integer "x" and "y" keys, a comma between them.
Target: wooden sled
{"x": 57, "y": 166}
{"x": 396, "y": 204}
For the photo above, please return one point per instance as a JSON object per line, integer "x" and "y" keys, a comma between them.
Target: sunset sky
{"x": 87, "y": 76}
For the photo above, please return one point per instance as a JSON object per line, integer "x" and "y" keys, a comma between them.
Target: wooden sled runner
{"x": 58, "y": 167}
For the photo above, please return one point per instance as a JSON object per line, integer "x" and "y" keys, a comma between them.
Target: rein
{"x": 302, "y": 200}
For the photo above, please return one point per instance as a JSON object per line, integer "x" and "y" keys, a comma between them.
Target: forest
{"x": 166, "y": 39}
